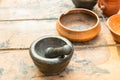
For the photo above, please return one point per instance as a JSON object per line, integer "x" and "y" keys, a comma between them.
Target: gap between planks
{"x": 75, "y": 47}
{"x": 32, "y": 19}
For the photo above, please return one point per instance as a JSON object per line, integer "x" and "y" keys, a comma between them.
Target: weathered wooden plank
{"x": 34, "y": 3}
{"x": 27, "y": 9}
{"x": 86, "y": 64}
{"x": 35, "y": 9}
{"x": 20, "y": 34}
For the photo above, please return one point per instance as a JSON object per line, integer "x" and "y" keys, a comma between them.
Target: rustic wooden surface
{"x": 23, "y": 21}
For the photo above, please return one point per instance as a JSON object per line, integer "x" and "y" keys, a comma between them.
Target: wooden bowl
{"x": 78, "y": 25}
{"x": 109, "y": 7}
{"x": 113, "y": 24}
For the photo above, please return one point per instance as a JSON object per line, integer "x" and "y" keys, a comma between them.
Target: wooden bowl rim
{"x": 79, "y": 9}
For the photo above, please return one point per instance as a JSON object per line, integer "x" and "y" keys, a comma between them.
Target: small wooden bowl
{"x": 113, "y": 24}
{"x": 78, "y": 25}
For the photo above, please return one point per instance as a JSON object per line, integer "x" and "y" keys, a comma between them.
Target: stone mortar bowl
{"x": 88, "y": 4}
{"x": 78, "y": 25}
{"x": 50, "y": 66}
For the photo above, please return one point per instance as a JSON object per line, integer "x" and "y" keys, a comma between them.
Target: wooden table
{"x": 23, "y": 21}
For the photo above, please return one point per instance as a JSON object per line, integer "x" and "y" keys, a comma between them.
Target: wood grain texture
{"x": 28, "y": 9}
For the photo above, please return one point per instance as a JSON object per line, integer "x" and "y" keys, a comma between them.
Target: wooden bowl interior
{"x": 81, "y": 20}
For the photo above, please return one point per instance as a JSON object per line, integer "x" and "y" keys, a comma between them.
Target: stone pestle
{"x": 51, "y": 52}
